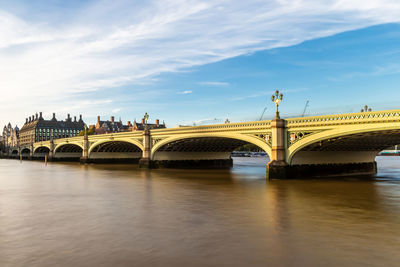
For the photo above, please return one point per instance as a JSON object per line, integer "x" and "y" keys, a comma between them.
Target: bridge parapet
{"x": 226, "y": 127}
{"x": 347, "y": 118}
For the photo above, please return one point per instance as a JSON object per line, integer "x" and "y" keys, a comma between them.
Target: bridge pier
{"x": 30, "y": 152}
{"x": 277, "y": 168}
{"x": 145, "y": 161}
{"x": 51, "y": 150}
{"x": 85, "y": 152}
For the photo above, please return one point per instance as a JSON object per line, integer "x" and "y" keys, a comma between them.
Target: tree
{"x": 89, "y": 132}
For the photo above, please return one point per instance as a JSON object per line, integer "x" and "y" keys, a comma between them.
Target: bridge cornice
{"x": 385, "y": 116}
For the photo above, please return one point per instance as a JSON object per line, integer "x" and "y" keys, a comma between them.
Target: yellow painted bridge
{"x": 305, "y": 146}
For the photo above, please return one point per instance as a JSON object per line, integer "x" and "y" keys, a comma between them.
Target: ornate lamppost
{"x": 277, "y": 98}
{"x": 146, "y": 117}
{"x": 366, "y": 109}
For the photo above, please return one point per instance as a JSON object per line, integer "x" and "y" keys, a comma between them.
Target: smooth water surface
{"x": 68, "y": 214}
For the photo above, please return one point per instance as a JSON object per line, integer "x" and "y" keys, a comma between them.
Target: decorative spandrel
{"x": 293, "y": 137}
{"x": 265, "y": 137}
{"x": 155, "y": 140}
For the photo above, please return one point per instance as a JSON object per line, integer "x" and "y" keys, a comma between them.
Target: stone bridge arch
{"x": 344, "y": 144}
{"x": 66, "y": 144}
{"x": 202, "y": 147}
{"x": 122, "y": 150}
{"x": 69, "y": 151}
{"x": 41, "y": 151}
{"x": 122, "y": 140}
{"x": 25, "y": 152}
{"x": 40, "y": 148}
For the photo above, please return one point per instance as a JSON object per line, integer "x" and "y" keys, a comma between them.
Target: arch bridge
{"x": 297, "y": 147}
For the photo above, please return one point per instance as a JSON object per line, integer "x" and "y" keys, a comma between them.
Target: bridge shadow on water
{"x": 244, "y": 169}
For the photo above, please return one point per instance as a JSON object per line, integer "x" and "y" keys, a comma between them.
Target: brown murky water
{"x": 102, "y": 215}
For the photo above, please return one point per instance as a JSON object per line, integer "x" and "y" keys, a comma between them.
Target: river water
{"x": 68, "y": 214}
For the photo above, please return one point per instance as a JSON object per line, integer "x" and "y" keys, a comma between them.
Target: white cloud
{"x": 114, "y": 43}
{"x": 214, "y": 83}
{"x": 203, "y": 122}
{"x": 185, "y": 92}
{"x": 266, "y": 93}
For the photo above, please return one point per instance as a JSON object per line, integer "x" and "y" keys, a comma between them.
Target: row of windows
{"x": 57, "y": 130}
{"x": 57, "y": 134}
{"x": 43, "y": 134}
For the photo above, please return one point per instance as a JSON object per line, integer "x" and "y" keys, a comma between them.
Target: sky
{"x": 196, "y": 62}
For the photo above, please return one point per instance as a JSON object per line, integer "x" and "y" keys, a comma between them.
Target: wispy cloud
{"x": 185, "y": 92}
{"x": 214, "y": 83}
{"x": 266, "y": 93}
{"x": 203, "y": 121}
{"x": 380, "y": 70}
{"x": 52, "y": 63}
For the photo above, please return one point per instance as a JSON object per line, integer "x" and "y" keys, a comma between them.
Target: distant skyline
{"x": 197, "y": 62}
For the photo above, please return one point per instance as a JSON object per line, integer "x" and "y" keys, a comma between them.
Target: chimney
{"x": 157, "y": 122}
{"x": 29, "y": 118}
{"x": 37, "y": 116}
{"x": 74, "y": 118}
{"x": 26, "y": 120}
{"x": 129, "y": 123}
{"x": 33, "y": 117}
{"x": 112, "y": 119}
{"x": 80, "y": 117}
{"x": 54, "y": 116}
{"x": 68, "y": 117}
{"x": 98, "y": 119}
{"x": 40, "y": 115}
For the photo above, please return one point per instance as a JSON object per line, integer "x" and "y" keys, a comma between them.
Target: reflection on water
{"x": 68, "y": 214}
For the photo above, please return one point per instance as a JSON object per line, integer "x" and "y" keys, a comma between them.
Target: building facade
{"x": 112, "y": 126}
{"x": 10, "y": 136}
{"x": 37, "y": 129}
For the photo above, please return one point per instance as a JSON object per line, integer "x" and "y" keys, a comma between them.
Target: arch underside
{"x": 353, "y": 148}
{"x": 25, "y": 151}
{"x": 68, "y": 151}
{"x": 41, "y": 151}
{"x": 115, "y": 150}
{"x": 198, "y": 148}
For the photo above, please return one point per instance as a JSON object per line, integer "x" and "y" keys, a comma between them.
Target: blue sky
{"x": 194, "y": 61}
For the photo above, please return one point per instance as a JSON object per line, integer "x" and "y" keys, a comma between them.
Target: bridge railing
{"x": 347, "y": 118}
{"x": 216, "y": 127}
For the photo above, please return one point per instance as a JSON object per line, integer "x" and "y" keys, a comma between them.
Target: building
{"x": 112, "y": 126}
{"x": 141, "y": 126}
{"x": 36, "y": 128}
{"x": 1, "y": 144}
{"x": 10, "y": 136}
{"x": 109, "y": 126}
